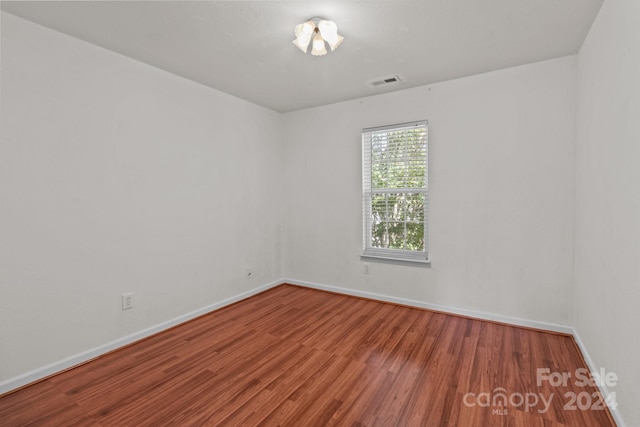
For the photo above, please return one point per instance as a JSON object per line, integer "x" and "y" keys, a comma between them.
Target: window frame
{"x": 402, "y": 256}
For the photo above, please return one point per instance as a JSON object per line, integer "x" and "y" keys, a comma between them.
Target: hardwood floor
{"x": 293, "y": 356}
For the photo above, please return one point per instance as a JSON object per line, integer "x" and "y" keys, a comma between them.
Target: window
{"x": 395, "y": 191}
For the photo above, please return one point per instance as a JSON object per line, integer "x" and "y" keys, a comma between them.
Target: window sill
{"x": 397, "y": 260}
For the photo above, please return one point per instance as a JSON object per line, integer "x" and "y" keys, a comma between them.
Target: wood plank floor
{"x": 293, "y": 356}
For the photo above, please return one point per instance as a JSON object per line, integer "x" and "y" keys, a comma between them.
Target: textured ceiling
{"x": 244, "y": 47}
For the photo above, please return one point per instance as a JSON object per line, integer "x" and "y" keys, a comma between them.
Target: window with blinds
{"x": 395, "y": 191}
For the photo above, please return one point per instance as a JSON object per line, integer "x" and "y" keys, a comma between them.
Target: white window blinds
{"x": 395, "y": 191}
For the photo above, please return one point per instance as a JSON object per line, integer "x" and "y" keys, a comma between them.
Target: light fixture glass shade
{"x": 302, "y": 42}
{"x": 327, "y": 28}
{"x": 318, "y": 48}
{"x": 303, "y": 33}
{"x": 329, "y": 31}
{"x": 306, "y": 29}
{"x": 333, "y": 44}
{"x": 324, "y": 31}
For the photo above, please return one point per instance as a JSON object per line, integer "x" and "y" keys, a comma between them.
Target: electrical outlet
{"x": 248, "y": 272}
{"x": 127, "y": 301}
{"x": 366, "y": 268}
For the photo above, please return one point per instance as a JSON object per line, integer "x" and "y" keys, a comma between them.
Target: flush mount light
{"x": 319, "y": 31}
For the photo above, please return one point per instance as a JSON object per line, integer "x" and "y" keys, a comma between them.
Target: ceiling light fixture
{"x": 320, "y": 31}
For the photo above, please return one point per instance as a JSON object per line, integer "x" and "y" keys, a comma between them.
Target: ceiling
{"x": 245, "y": 48}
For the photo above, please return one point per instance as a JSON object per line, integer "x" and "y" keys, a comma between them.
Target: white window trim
{"x": 396, "y": 256}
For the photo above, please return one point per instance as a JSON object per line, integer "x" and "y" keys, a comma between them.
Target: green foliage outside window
{"x": 398, "y": 189}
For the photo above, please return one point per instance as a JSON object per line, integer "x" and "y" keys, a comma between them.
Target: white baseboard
{"x": 552, "y": 327}
{"x": 45, "y": 371}
{"x": 615, "y": 412}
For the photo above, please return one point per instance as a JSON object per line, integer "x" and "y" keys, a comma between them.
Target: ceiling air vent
{"x": 384, "y": 81}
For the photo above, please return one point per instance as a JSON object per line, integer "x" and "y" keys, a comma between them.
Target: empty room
{"x": 320, "y": 213}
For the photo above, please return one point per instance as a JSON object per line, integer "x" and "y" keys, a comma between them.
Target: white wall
{"x": 501, "y": 192}
{"x": 119, "y": 177}
{"x": 607, "y": 263}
